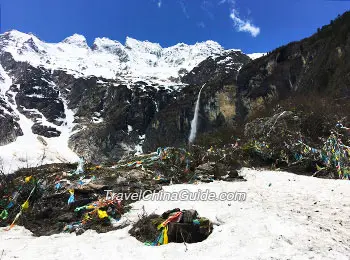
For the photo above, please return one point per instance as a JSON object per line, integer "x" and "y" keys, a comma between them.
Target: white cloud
{"x": 244, "y": 26}
{"x": 158, "y": 2}
{"x": 206, "y": 6}
{"x": 184, "y": 9}
{"x": 240, "y": 24}
{"x": 232, "y": 2}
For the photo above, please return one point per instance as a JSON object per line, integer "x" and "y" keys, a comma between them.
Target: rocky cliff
{"x": 102, "y": 102}
{"x": 318, "y": 65}
{"x": 64, "y": 100}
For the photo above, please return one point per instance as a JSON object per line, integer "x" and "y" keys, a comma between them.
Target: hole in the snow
{"x": 173, "y": 226}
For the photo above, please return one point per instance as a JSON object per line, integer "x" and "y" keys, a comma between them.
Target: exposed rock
{"x": 217, "y": 70}
{"x": 10, "y": 128}
{"x": 206, "y": 167}
{"x": 316, "y": 65}
{"x": 34, "y": 89}
{"x": 171, "y": 126}
{"x": 46, "y": 131}
{"x": 225, "y": 171}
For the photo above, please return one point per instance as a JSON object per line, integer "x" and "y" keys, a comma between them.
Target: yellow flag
{"x": 319, "y": 168}
{"x": 27, "y": 179}
{"x": 25, "y": 205}
{"x": 165, "y": 236}
{"x": 160, "y": 226}
{"x": 102, "y": 214}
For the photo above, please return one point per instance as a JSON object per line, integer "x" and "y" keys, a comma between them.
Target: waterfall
{"x": 194, "y": 121}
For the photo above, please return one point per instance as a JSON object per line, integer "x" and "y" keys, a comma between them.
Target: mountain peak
{"x": 106, "y": 44}
{"x": 17, "y": 35}
{"x": 209, "y": 43}
{"x": 76, "y": 39}
{"x": 143, "y": 46}
{"x": 109, "y": 58}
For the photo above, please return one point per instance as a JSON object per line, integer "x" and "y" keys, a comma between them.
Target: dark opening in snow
{"x": 175, "y": 225}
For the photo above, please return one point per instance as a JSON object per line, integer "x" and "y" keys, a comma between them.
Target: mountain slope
{"x": 97, "y": 101}
{"x": 136, "y": 97}
{"x": 315, "y": 66}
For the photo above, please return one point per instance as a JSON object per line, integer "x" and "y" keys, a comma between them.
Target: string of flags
{"x": 333, "y": 154}
{"x": 150, "y": 162}
{"x": 23, "y": 207}
{"x": 102, "y": 209}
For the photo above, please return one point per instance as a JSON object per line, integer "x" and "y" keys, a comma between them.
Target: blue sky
{"x": 250, "y": 25}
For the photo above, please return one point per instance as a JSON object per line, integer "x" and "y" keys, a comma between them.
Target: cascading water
{"x": 194, "y": 121}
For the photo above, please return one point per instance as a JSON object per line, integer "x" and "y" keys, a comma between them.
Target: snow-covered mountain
{"x": 135, "y": 60}
{"x": 98, "y": 100}
{"x": 257, "y": 55}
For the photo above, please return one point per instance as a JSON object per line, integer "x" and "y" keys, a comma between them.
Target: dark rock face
{"x": 223, "y": 69}
{"x": 9, "y": 129}
{"x": 171, "y": 126}
{"x": 115, "y": 116}
{"x": 46, "y": 131}
{"x": 100, "y": 143}
{"x": 36, "y": 92}
{"x": 318, "y": 64}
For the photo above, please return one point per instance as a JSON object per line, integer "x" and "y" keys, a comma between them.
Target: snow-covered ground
{"x": 285, "y": 216}
{"x": 30, "y": 150}
{"x": 257, "y": 55}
